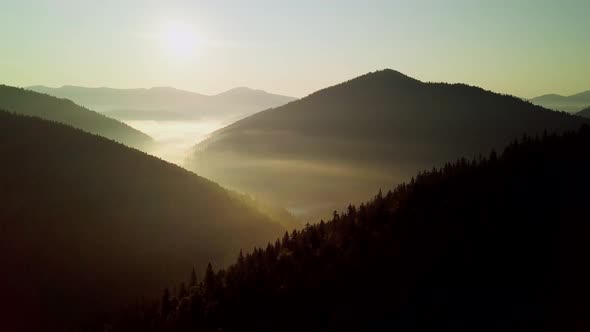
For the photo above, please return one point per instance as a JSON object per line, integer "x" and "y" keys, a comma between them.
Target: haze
{"x": 297, "y": 47}
{"x": 294, "y": 165}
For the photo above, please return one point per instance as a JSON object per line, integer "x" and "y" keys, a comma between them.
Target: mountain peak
{"x": 241, "y": 90}
{"x": 261, "y": 97}
{"x": 389, "y": 74}
{"x": 163, "y": 88}
{"x": 171, "y": 90}
{"x": 383, "y": 121}
{"x": 372, "y": 82}
{"x": 384, "y": 77}
{"x": 392, "y": 72}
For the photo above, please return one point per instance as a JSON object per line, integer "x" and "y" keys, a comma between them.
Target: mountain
{"x": 88, "y": 224}
{"x": 572, "y": 104}
{"x": 490, "y": 244}
{"x": 345, "y": 142}
{"x": 31, "y": 103}
{"x": 165, "y": 103}
{"x": 584, "y": 113}
{"x": 256, "y": 98}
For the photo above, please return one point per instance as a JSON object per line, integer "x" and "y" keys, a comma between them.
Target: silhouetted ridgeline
{"x": 88, "y": 224}
{"x": 27, "y": 102}
{"x": 345, "y": 142}
{"x": 495, "y": 244}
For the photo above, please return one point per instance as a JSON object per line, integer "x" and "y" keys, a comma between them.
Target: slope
{"x": 584, "y": 113}
{"x": 495, "y": 244}
{"x": 31, "y": 103}
{"x": 345, "y": 142}
{"x": 87, "y": 223}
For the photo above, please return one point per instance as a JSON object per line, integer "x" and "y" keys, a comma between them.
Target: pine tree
{"x": 209, "y": 281}
{"x": 166, "y": 305}
{"x": 193, "y": 281}
{"x": 182, "y": 291}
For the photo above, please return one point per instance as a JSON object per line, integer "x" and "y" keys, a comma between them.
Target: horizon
{"x": 273, "y": 93}
{"x": 332, "y": 165}
{"x": 526, "y": 49}
{"x": 151, "y": 88}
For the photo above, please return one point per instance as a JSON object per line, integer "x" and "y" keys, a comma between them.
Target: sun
{"x": 179, "y": 39}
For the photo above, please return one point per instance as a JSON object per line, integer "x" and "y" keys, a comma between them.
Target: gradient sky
{"x": 521, "y": 47}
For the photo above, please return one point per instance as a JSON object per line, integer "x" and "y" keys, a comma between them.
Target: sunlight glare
{"x": 179, "y": 39}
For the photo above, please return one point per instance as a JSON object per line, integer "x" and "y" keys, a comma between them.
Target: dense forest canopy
{"x": 31, "y": 103}
{"x": 345, "y": 142}
{"x": 87, "y": 223}
{"x": 490, "y": 244}
{"x": 254, "y": 166}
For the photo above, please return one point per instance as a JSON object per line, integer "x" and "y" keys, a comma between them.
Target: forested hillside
{"x": 493, "y": 244}
{"x": 584, "y": 113}
{"x": 345, "y": 142}
{"x": 31, "y": 103}
{"x": 88, "y": 224}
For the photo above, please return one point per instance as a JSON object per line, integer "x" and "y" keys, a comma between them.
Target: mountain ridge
{"x": 171, "y": 88}
{"x": 82, "y": 213}
{"x": 27, "y": 102}
{"x": 168, "y": 103}
{"x": 375, "y": 128}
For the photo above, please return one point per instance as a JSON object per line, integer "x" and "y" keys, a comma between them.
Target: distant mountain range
{"x": 165, "y": 103}
{"x": 571, "y": 104}
{"x": 345, "y": 142}
{"x": 89, "y": 224}
{"x": 31, "y": 103}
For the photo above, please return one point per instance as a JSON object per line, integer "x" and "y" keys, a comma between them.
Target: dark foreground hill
{"x": 31, "y": 103}
{"x": 572, "y": 104}
{"x": 345, "y": 142}
{"x": 87, "y": 223}
{"x": 495, "y": 244}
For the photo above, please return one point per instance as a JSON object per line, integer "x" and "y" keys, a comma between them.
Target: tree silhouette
{"x": 495, "y": 243}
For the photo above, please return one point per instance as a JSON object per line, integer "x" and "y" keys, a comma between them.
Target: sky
{"x": 520, "y": 47}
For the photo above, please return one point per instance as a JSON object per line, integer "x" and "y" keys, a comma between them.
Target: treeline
{"x": 496, "y": 243}
{"x": 340, "y": 144}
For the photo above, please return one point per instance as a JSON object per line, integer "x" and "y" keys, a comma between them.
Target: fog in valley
{"x": 173, "y": 140}
{"x": 294, "y": 166}
{"x": 175, "y": 119}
